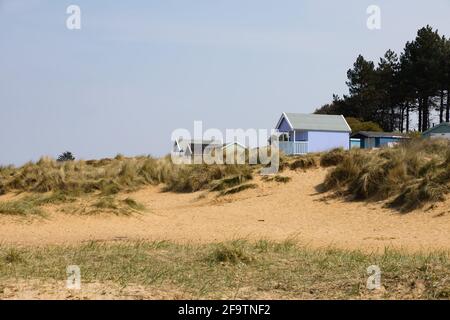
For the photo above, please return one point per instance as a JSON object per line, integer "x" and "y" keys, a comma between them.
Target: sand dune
{"x": 274, "y": 211}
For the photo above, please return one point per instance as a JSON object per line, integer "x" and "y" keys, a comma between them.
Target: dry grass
{"x": 110, "y": 204}
{"x": 19, "y": 208}
{"x": 34, "y": 204}
{"x": 303, "y": 162}
{"x": 111, "y": 176}
{"x": 54, "y": 182}
{"x": 237, "y": 269}
{"x": 229, "y": 182}
{"x": 408, "y": 176}
{"x": 276, "y": 178}
{"x": 332, "y": 158}
{"x": 191, "y": 178}
{"x": 31, "y": 204}
{"x": 237, "y": 189}
{"x": 133, "y": 204}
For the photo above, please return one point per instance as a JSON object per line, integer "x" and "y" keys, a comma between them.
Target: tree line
{"x": 416, "y": 82}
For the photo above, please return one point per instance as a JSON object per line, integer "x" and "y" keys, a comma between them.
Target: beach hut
{"x": 440, "y": 131}
{"x": 301, "y": 133}
{"x": 373, "y": 139}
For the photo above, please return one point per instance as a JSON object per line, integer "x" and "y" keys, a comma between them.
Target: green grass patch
{"x": 19, "y": 207}
{"x": 31, "y": 204}
{"x": 219, "y": 270}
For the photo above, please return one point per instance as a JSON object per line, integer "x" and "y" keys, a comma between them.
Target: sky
{"x": 138, "y": 70}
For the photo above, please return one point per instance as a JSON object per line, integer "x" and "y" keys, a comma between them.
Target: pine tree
{"x": 423, "y": 54}
{"x": 416, "y": 82}
{"x": 362, "y": 88}
{"x": 387, "y": 91}
{"x": 446, "y": 74}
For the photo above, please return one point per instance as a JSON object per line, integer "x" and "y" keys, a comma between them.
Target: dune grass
{"x": 237, "y": 269}
{"x": 303, "y": 162}
{"x": 52, "y": 182}
{"x": 133, "y": 204}
{"x": 229, "y": 182}
{"x": 111, "y": 176}
{"x": 109, "y": 204}
{"x": 332, "y": 158}
{"x": 276, "y": 178}
{"x": 19, "y": 208}
{"x": 33, "y": 205}
{"x": 191, "y": 178}
{"x": 408, "y": 176}
{"x": 238, "y": 189}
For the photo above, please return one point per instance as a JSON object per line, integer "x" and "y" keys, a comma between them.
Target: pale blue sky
{"x": 137, "y": 70}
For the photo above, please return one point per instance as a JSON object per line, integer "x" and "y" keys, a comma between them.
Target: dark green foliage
{"x": 66, "y": 156}
{"x": 358, "y": 125}
{"x": 389, "y": 92}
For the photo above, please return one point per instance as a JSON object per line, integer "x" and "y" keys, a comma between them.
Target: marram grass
{"x": 237, "y": 269}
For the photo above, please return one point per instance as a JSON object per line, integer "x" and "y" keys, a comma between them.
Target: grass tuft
{"x": 237, "y": 189}
{"x": 228, "y": 182}
{"x": 276, "y": 178}
{"x": 12, "y": 256}
{"x": 332, "y": 158}
{"x": 133, "y": 204}
{"x": 229, "y": 253}
{"x": 106, "y": 203}
{"x": 407, "y": 176}
{"x": 303, "y": 162}
{"x": 19, "y": 207}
